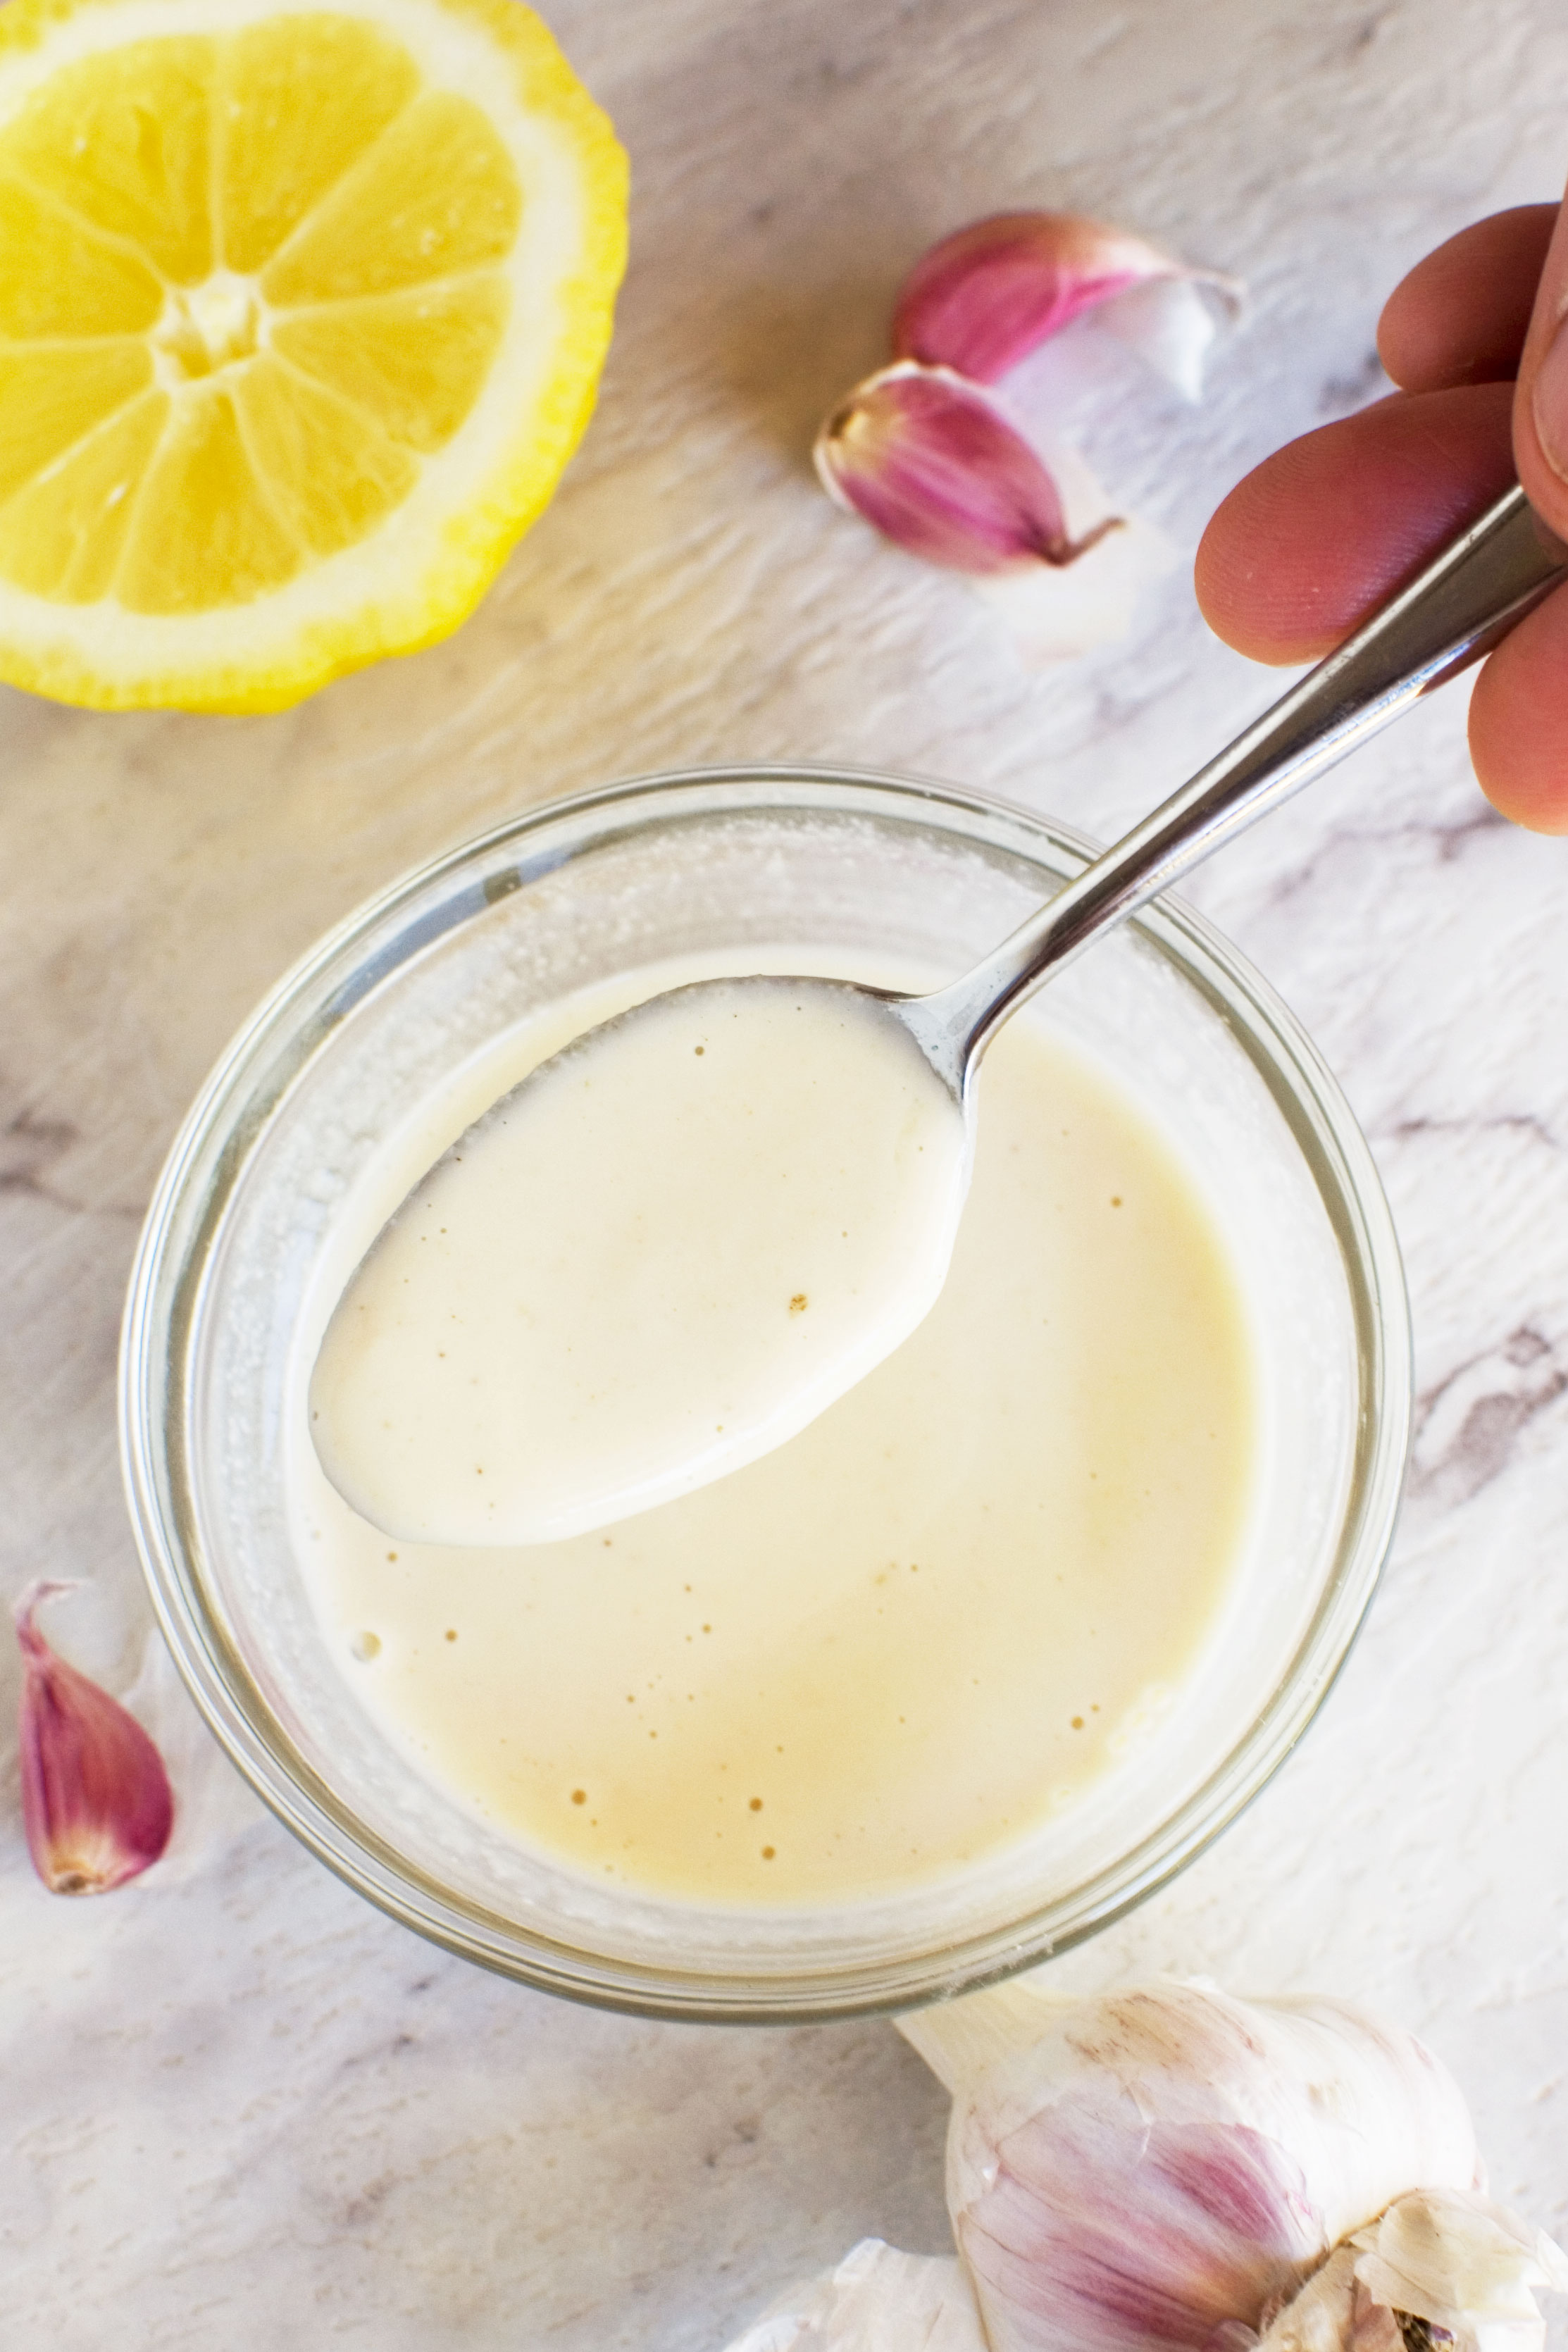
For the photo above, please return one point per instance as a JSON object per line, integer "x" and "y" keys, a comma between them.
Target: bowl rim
{"x": 235, "y": 1104}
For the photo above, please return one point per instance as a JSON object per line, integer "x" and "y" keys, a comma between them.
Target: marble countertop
{"x": 240, "y": 2108}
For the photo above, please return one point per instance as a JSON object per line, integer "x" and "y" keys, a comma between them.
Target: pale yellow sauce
{"x": 932, "y": 1619}
{"x": 655, "y": 1260}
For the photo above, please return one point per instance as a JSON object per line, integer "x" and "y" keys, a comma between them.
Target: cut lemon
{"x": 301, "y": 314}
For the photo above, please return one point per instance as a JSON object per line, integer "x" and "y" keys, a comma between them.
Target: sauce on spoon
{"x": 659, "y": 1256}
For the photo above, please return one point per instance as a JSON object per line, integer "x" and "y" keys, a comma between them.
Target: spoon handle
{"x": 1465, "y": 601}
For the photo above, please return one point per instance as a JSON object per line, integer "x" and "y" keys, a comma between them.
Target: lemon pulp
{"x": 300, "y": 321}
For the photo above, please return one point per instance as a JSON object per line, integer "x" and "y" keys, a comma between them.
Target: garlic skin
{"x": 931, "y": 461}
{"x": 1159, "y": 2171}
{"x": 96, "y": 1802}
{"x": 1171, "y": 325}
{"x": 1457, "y": 2262}
{"x": 875, "y": 2300}
{"x": 983, "y": 298}
{"x": 1464, "y": 2266}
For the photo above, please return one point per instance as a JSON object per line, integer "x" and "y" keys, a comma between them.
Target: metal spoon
{"x": 1456, "y": 610}
{"x": 590, "y": 1394}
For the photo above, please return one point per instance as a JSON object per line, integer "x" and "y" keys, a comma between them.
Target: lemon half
{"x": 301, "y": 314}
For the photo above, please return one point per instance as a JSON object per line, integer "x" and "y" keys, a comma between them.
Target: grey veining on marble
{"x": 237, "y": 2107}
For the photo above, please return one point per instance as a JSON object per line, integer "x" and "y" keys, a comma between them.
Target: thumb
{"x": 1540, "y": 404}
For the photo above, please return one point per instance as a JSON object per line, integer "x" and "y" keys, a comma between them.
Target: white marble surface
{"x": 238, "y": 2107}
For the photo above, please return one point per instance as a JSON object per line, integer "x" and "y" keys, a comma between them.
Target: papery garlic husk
{"x": 1463, "y": 2265}
{"x": 1152, "y": 2170}
{"x": 1439, "y": 2266}
{"x": 874, "y": 2300}
{"x": 96, "y": 1800}
{"x": 983, "y": 299}
{"x": 933, "y": 464}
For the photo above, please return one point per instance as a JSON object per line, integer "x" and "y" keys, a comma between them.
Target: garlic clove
{"x": 931, "y": 461}
{"x": 874, "y": 2300}
{"x": 1137, "y": 2172}
{"x": 983, "y": 298}
{"x": 96, "y": 1802}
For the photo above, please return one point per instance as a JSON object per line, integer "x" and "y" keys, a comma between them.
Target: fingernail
{"x": 1548, "y": 402}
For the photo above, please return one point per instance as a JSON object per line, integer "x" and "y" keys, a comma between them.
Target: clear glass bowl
{"x": 571, "y": 894}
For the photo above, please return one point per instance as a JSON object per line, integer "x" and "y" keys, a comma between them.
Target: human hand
{"x": 1313, "y": 540}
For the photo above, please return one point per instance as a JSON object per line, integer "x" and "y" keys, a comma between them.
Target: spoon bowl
{"x": 660, "y": 1255}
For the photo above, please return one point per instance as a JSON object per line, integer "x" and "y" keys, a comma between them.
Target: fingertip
{"x": 1315, "y": 538}
{"x": 1518, "y": 720}
{"x": 1253, "y": 596}
{"x": 1461, "y": 315}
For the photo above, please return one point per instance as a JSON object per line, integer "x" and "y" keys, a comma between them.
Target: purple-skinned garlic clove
{"x": 96, "y": 1800}
{"x": 930, "y": 460}
{"x": 983, "y": 298}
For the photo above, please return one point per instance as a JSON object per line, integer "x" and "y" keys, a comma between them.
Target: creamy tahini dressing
{"x": 654, "y": 1261}
{"x": 935, "y": 1618}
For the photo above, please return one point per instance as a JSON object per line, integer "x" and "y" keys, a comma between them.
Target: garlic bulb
{"x": 986, "y": 297}
{"x": 1173, "y": 2170}
{"x": 96, "y": 1802}
{"x": 1140, "y": 2172}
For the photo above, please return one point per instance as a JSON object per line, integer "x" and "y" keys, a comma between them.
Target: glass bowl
{"x": 458, "y": 954}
